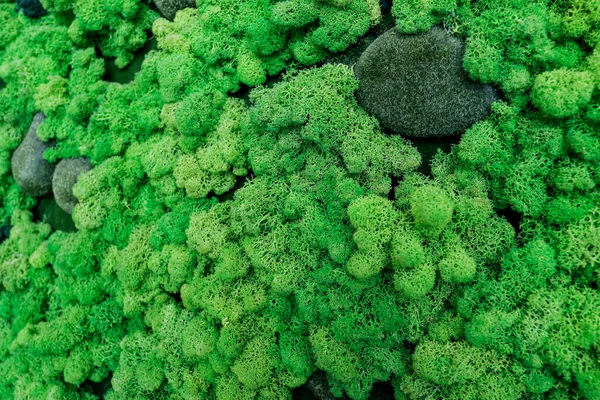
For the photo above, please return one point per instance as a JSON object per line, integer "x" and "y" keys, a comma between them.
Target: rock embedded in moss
{"x": 31, "y": 8}
{"x": 48, "y": 211}
{"x": 31, "y": 171}
{"x": 65, "y": 177}
{"x": 415, "y": 85}
{"x": 168, "y": 8}
{"x": 319, "y": 387}
{"x": 4, "y": 232}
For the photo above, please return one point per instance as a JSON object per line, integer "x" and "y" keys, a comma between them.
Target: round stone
{"x": 31, "y": 8}
{"x": 415, "y": 85}
{"x": 31, "y": 171}
{"x": 168, "y": 8}
{"x": 65, "y": 177}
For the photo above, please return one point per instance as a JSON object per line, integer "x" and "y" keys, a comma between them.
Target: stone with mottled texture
{"x": 415, "y": 85}
{"x": 31, "y": 171}
{"x": 31, "y": 8}
{"x": 168, "y": 8}
{"x": 65, "y": 177}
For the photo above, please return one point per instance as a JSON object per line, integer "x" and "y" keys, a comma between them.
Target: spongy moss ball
{"x": 406, "y": 250}
{"x": 364, "y": 265}
{"x": 562, "y": 92}
{"x": 415, "y": 283}
{"x": 431, "y": 206}
{"x": 415, "y": 85}
{"x": 373, "y": 217}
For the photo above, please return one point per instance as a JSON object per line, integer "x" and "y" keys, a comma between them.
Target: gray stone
{"x": 168, "y": 8}
{"x": 65, "y": 177}
{"x": 31, "y": 171}
{"x": 318, "y": 386}
{"x": 415, "y": 85}
{"x": 31, "y": 8}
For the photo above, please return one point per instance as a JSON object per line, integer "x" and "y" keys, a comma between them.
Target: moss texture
{"x": 65, "y": 176}
{"x": 227, "y": 248}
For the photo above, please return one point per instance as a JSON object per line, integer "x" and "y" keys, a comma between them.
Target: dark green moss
{"x": 49, "y": 212}
{"x": 126, "y": 75}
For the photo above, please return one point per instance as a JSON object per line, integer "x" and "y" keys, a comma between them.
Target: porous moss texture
{"x": 415, "y": 85}
{"x": 248, "y": 231}
{"x": 168, "y": 8}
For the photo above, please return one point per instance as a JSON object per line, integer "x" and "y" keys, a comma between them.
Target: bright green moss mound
{"x": 233, "y": 238}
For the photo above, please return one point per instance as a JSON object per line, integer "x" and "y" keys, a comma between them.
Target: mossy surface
{"x": 415, "y": 85}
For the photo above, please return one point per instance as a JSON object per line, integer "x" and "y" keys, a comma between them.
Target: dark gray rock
{"x": 386, "y": 6}
{"x": 168, "y": 8}
{"x": 32, "y": 173}
{"x": 65, "y": 177}
{"x": 31, "y": 8}
{"x": 415, "y": 85}
{"x": 318, "y": 386}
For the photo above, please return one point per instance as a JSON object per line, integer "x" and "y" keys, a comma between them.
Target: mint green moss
{"x": 562, "y": 93}
{"x": 418, "y": 16}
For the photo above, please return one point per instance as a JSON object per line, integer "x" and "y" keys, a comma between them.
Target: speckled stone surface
{"x": 415, "y": 85}
{"x": 65, "y": 177}
{"x": 31, "y": 171}
{"x": 168, "y": 8}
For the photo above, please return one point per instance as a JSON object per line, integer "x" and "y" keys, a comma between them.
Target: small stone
{"x": 31, "y": 8}
{"x": 168, "y": 8}
{"x": 31, "y": 171}
{"x": 65, "y": 177}
{"x": 415, "y": 85}
{"x": 49, "y": 212}
{"x": 4, "y": 232}
{"x": 318, "y": 386}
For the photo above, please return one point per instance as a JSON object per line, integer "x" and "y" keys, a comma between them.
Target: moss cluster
{"x": 233, "y": 247}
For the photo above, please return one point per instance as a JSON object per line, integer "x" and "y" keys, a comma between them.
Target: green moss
{"x": 327, "y": 254}
{"x": 562, "y": 93}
